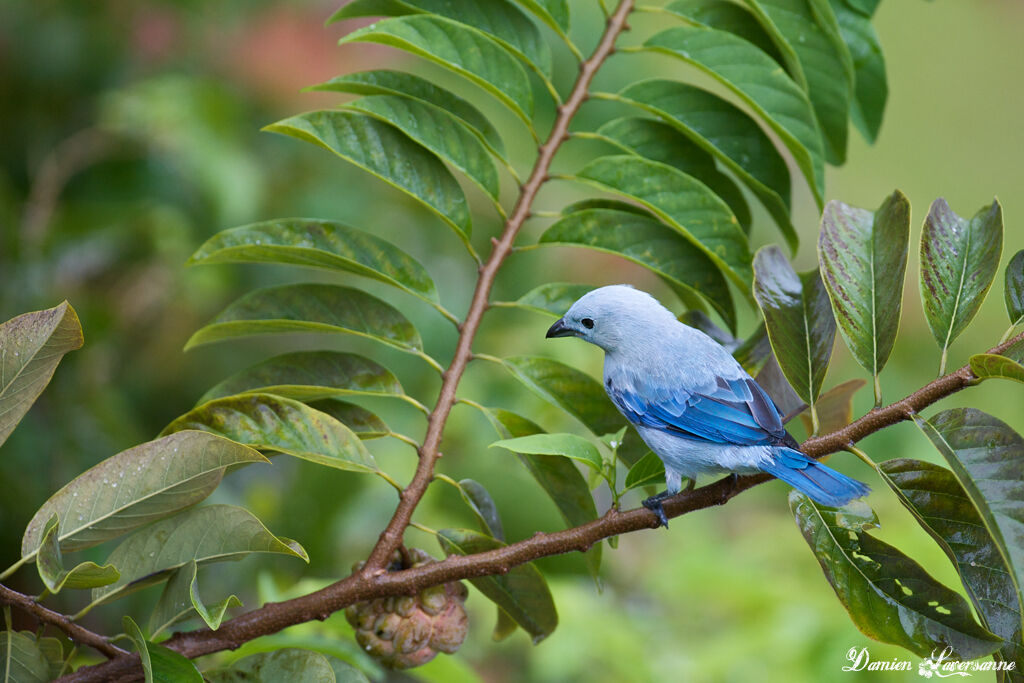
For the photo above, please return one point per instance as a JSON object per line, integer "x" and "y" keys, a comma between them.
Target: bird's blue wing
{"x": 735, "y": 411}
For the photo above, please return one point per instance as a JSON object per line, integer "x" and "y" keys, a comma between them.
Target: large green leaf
{"x": 942, "y": 507}
{"x": 565, "y": 445}
{"x": 728, "y": 134}
{"x": 311, "y": 308}
{"x": 160, "y": 664}
{"x": 1014, "y": 291}
{"x": 890, "y": 597}
{"x": 460, "y": 48}
{"x": 757, "y": 79}
{"x": 799, "y": 320}
{"x": 863, "y": 257}
{"x": 479, "y": 500}
{"x": 180, "y": 600}
{"x": 211, "y": 533}
{"x": 576, "y": 392}
{"x": 871, "y": 89}
{"x": 21, "y": 659}
{"x": 554, "y": 13}
{"x": 50, "y": 564}
{"x": 994, "y": 366}
{"x": 959, "y": 260}
{"x": 500, "y": 19}
{"x": 281, "y": 425}
{"x": 522, "y": 592}
{"x": 684, "y": 203}
{"x": 287, "y": 664}
{"x": 366, "y": 424}
{"x": 311, "y": 375}
{"x": 729, "y": 16}
{"x": 553, "y": 298}
{"x": 648, "y": 471}
{"x": 320, "y": 244}
{"x": 31, "y": 346}
{"x": 650, "y": 243}
{"x": 136, "y": 487}
{"x": 390, "y": 155}
{"x": 388, "y": 82}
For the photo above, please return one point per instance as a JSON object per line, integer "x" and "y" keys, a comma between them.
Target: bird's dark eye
{"x": 588, "y": 323}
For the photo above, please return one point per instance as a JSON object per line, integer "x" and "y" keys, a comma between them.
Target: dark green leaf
{"x": 53, "y": 650}
{"x": 311, "y": 308}
{"x": 890, "y": 597}
{"x": 480, "y": 502}
{"x": 945, "y": 511}
{"x": 464, "y": 50}
{"x": 959, "y": 259}
{"x": 757, "y": 79}
{"x": 522, "y": 592}
{"x": 21, "y": 659}
{"x": 136, "y": 487}
{"x": 50, "y": 564}
{"x": 871, "y": 89}
{"x": 604, "y": 203}
{"x": 700, "y": 320}
{"x": 863, "y": 256}
{"x": 684, "y": 203}
{"x": 754, "y": 351}
{"x": 729, "y": 16}
{"x": 799, "y": 320}
{"x": 281, "y": 425}
{"x": 991, "y": 366}
{"x": 160, "y": 664}
{"x": 212, "y": 533}
{"x": 566, "y": 445}
{"x": 554, "y": 13}
{"x": 365, "y": 424}
{"x": 320, "y": 244}
{"x": 648, "y": 471}
{"x": 380, "y": 149}
{"x": 650, "y": 243}
{"x": 287, "y": 664}
{"x": 1015, "y": 288}
{"x": 776, "y": 385}
{"x": 553, "y": 298}
{"x": 31, "y": 346}
{"x": 180, "y": 600}
{"x": 834, "y": 407}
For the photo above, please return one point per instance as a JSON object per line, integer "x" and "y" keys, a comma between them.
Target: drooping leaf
{"x": 319, "y": 244}
{"x": 834, "y": 407}
{"x": 50, "y": 564}
{"x": 863, "y": 257}
{"x": 311, "y": 308}
{"x": 522, "y": 592}
{"x": 729, "y": 16}
{"x": 366, "y": 425}
{"x": 160, "y": 664}
{"x": 754, "y": 351}
{"x": 553, "y": 298}
{"x": 871, "y": 88}
{"x": 375, "y": 146}
{"x": 959, "y": 259}
{"x": 757, "y": 79}
{"x": 459, "y": 48}
{"x": 684, "y": 203}
{"x": 650, "y": 243}
{"x": 280, "y": 425}
{"x": 566, "y": 445}
{"x": 889, "y": 597}
{"x": 388, "y": 82}
{"x": 136, "y": 487}
{"x": 480, "y": 502}
{"x": 286, "y": 664}
{"x": 729, "y": 135}
{"x": 993, "y": 366}
{"x": 648, "y": 471}
{"x": 1014, "y": 291}
{"x": 31, "y": 346}
{"x": 212, "y": 533}
{"x": 942, "y": 507}
{"x": 180, "y": 600}
{"x": 21, "y": 659}
{"x": 311, "y": 375}
{"x": 799, "y": 320}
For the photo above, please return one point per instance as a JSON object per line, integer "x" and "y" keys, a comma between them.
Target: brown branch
{"x": 77, "y": 633}
{"x": 273, "y": 617}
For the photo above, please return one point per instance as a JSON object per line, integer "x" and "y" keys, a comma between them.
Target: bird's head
{"x": 612, "y": 316}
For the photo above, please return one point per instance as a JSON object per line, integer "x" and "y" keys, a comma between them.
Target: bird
{"x": 691, "y": 402}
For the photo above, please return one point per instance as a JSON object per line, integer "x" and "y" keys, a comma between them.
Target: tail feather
{"x": 822, "y": 484}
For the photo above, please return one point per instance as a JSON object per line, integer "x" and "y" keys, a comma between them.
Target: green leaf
{"x": 281, "y": 425}
{"x": 499, "y": 19}
{"x": 684, "y": 203}
{"x": 728, "y": 16}
{"x": 959, "y": 259}
{"x": 943, "y": 509}
{"x": 649, "y": 470}
{"x": 834, "y": 407}
{"x": 459, "y": 48}
{"x": 311, "y": 375}
{"x": 756, "y": 79}
{"x": 1014, "y": 291}
{"x": 136, "y": 487}
{"x": 650, "y": 243}
{"x": 554, "y": 13}
{"x": 890, "y": 597}
{"x": 311, "y": 308}
{"x": 522, "y": 592}
{"x": 604, "y": 203}
{"x": 387, "y": 82}
{"x": 480, "y": 502}
{"x": 365, "y": 424}
{"x": 776, "y": 385}
{"x": 661, "y": 142}
{"x": 53, "y": 650}
{"x": 212, "y": 533}
{"x": 729, "y": 135}
{"x": 160, "y": 664}
{"x": 799, "y": 320}
{"x": 21, "y": 659}
{"x": 318, "y": 244}
{"x": 566, "y": 445}
{"x": 287, "y": 664}
{"x": 382, "y": 150}
{"x": 31, "y": 346}
{"x": 991, "y": 366}
{"x": 754, "y": 351}
{"x": 50, "y": 564}
{"x": 863, "y": 257}
{"x": 871, "y": 89}
{"x": 437, "y": 130}
{"x": 180, "y": 600}
{"x": 553, "y": 298}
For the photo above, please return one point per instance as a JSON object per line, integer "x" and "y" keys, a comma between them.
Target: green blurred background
{"x": 130, "y": 134}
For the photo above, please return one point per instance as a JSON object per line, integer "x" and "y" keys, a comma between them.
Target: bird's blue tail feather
{"x": 822, "y": 484}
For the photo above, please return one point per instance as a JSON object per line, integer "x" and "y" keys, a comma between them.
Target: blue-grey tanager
{"x": 690, "y": 400}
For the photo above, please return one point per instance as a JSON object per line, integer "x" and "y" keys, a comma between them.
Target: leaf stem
{"x": 423, "y": 528}
{"x": 878, "y": 392}
{"x": 942, "y": 361}
{"x": 488, "y": 357}
{"x": 863, "y": 456}
{"x": 386, "y": 477}
{"x": 430, "y": 361}
{"x": 448, "y": 480}
{"x": 405, "y": 439}
{"x": 15, "y": 567}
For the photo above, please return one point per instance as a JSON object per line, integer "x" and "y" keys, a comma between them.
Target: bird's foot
{"x": 654, "y": 504}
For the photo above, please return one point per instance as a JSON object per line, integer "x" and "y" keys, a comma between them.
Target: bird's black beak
{"x": 559, "y": 329}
